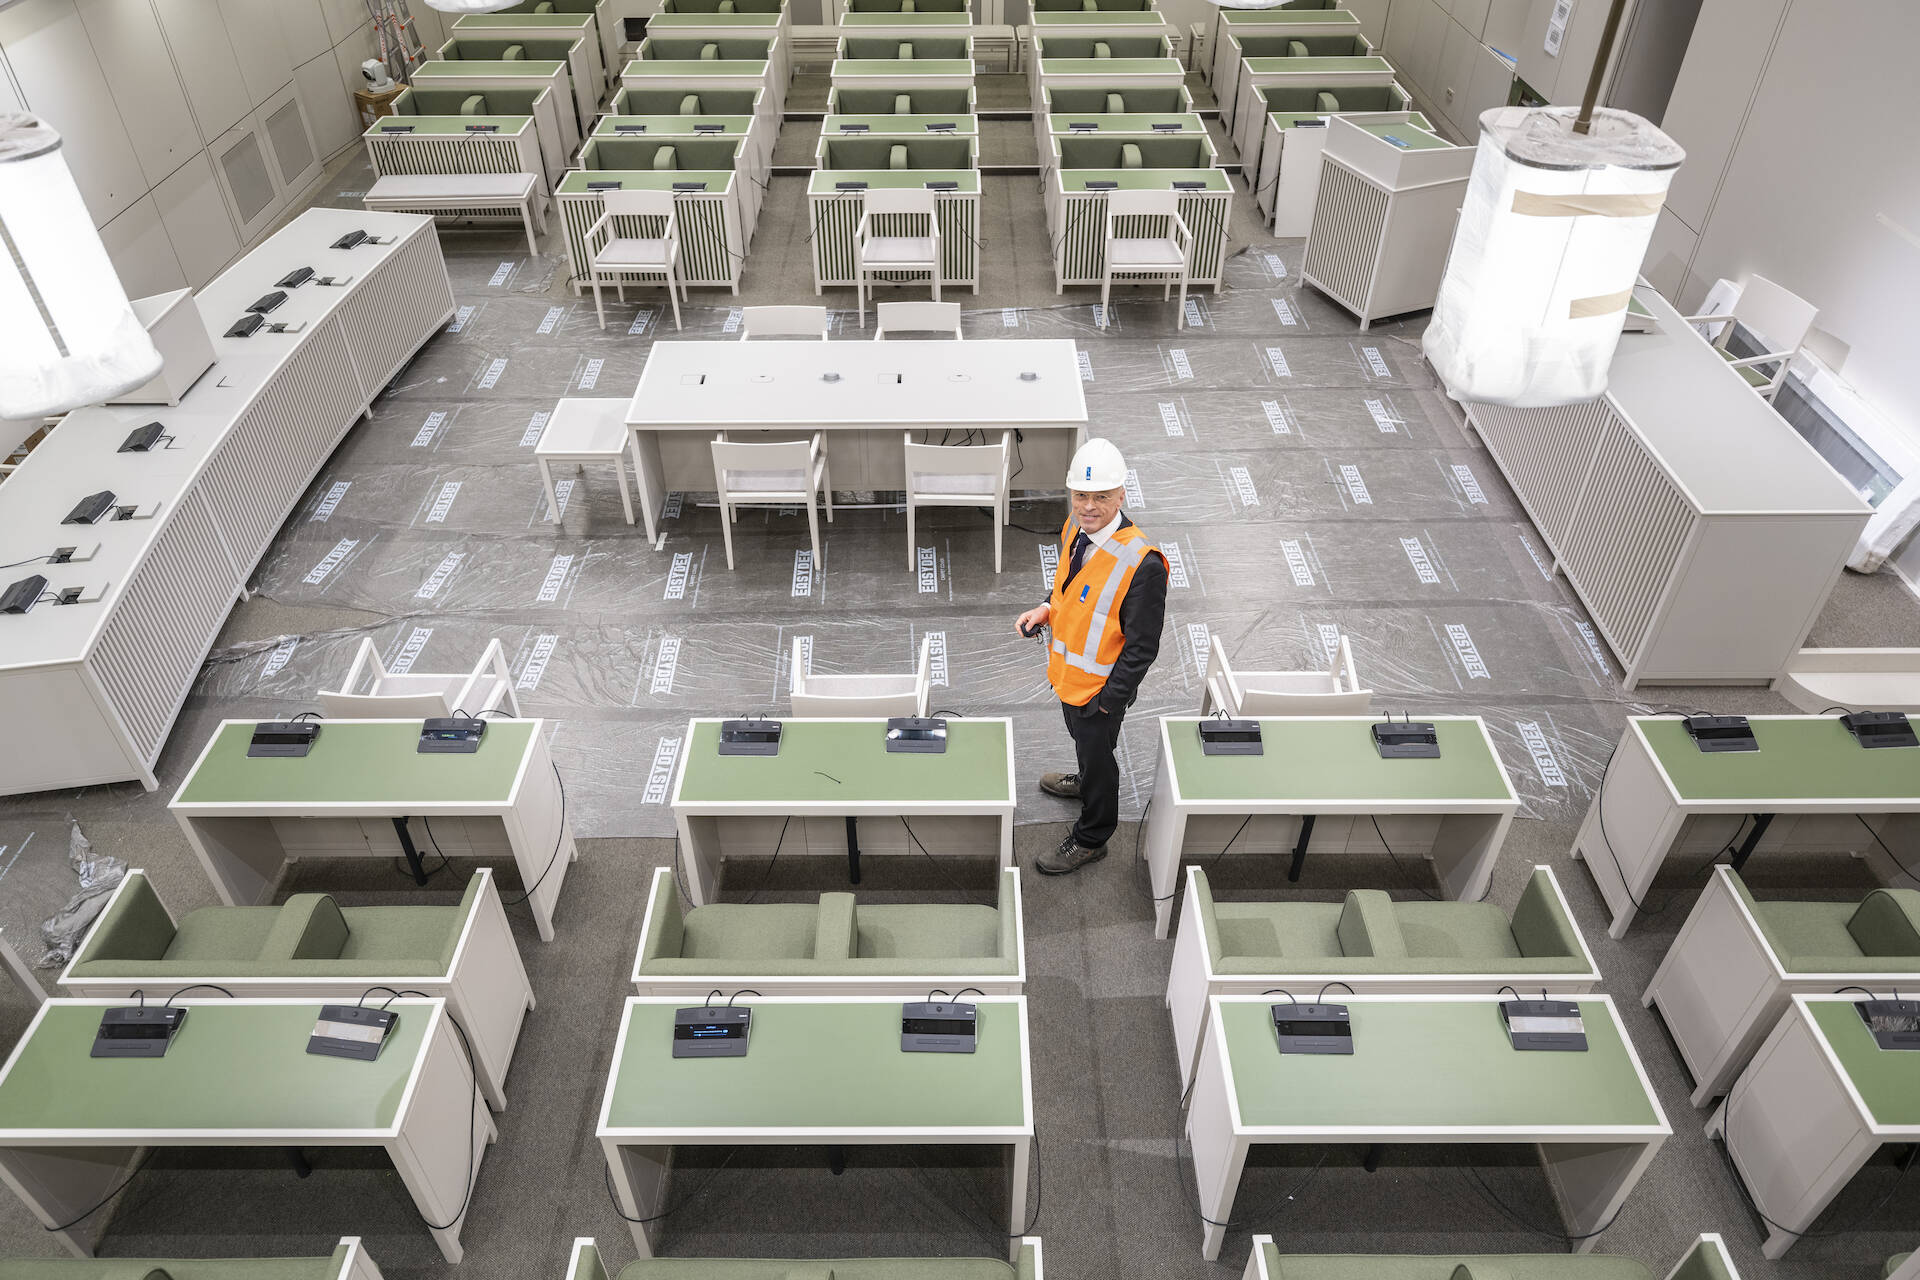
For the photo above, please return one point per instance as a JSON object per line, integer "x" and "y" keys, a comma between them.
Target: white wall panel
{"x": 1709, "y": 105}
{"x": 197, "y": 222}
{"x": 153, "y": 107}
{"x": 329, "y": 111}
{"x": 304, "y": 29}
{"x": 197, "y": 35}
{"x": 344, "y": 17}
{"x": 53, "y": 62}
{"x": 349, "y": 54}
{"x": 141, "y": 252}
{"x": 1453, "y": 78}
{"x": 1471, "y": 14}
{"x": 1665, "y": 265}
{"x": 1373, "y": 18}
{"x": 253, "y": 28}
{"x": 1506, "y": 20}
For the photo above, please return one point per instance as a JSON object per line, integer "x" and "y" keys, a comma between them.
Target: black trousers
{"x": 1095, "y": 734}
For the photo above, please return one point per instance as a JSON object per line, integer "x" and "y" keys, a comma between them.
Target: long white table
{"x": 104, "y": 678}
{"x": 862, "y": 395}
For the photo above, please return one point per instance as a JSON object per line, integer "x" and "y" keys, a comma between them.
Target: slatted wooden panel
{"x": 1625, "y": 538}
{"x": 1343, "y": 244}
{"x": 1545, "y": 455}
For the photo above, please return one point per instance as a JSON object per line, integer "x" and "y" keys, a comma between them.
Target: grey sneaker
{"x": 1067, "y": 858}
{"x": 1064, "y": 785}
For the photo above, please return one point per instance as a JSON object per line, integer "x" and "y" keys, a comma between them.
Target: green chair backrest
{"x": 1887, "y": 923}
{"x": 475, "y": 105}
{"x": 902, "y": 104}
{"x": 1295, "y": 49}
{"x": 1324, "y": 101}
{"x": 1116, "y": 105}
{"x": 709, "y": 53}
{"x": 1101, "y": 49}
{"x": 690, "y": 105}
{"x": 663, "y": 159}
{"x": 1129, "y": 155}
{"x": 514, "y": 53}
{"x": 897, "y": 156}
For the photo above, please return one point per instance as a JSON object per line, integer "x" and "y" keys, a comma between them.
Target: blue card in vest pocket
{"x": 1084, "y": 589}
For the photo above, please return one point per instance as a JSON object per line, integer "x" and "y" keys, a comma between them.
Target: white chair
{"x": 654, "y": 252}
{"x": 898, "y": 233}
{"x": 942, "y": 318}
{"x": 1154, "y": 243}
{"x": 965, "y": 475}
{"x": 783, "y": 322}
{"x": 1334, "y": 691}
{"x": 415, "y": 695}
{"x": 789, "y": 472}
{"x": 863, "y": 695}
{"x": 584, "y": 429}
{"x": 1777, "y": 318}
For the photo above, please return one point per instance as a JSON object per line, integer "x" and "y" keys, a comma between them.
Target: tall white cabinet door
{"x": 141, "y": 252}
{"x": 52, "y": 60}
{"x": 133, "y": 54}
{"x": 196, "y": 34}
{"x": 193, "y": 207}
{"x": 253, "y": 28}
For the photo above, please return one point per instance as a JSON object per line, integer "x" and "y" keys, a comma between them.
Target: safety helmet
{"x": 1097, "y": 466}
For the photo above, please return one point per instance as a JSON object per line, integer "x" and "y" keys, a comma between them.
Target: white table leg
{"x": 1166, "y": 830}
{"x": 1593, "y": 1181}
{"x": 60, "y": 1183}
{"x": 243, "y": 857}
{"x": 553, "y": 500}
{"x": 526, "y": 220}
{"x": 648, "y": 480}
{"x": 700, "y": 862}
{"x": 639, "y": 1176}
{"x": 1218, "y": 1154}
{"x": 431, "y": 1151}
{"x": 1465, "y": 850}
{"x": 1017, "y": 1216}
{"x": 620, "y": 475}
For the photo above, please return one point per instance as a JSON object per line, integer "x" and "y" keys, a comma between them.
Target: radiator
{"x": 1343, "y": 245}
{"x": 1077, "y": 223}
{"x": 456, "y": 153}
{"x": 712, "y": 246}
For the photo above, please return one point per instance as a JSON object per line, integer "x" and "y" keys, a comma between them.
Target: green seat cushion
{"x": 1893, "y": 1263}
{"x": 924, "y": 932}
{"x": 1887, "y": 923}
{"x": 1544, "y": 1266}
{"x": 1468, "y": 930}
{"x": 1796, "y": 929}
{"x": 840, "y": 1269}
{"x": 174, "y": 1269}
{"x": 751, "y": 931}
{"x": 1263, "y": 930}
{"x": 1754, "y": 377}
{"x": 222, "y": 933}
{"x": 400, "y": 934}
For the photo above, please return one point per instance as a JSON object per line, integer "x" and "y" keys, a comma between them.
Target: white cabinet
{"x": 194, "y": 211}
{"x": 330, "y": 111}
{"x": 265, "y": 162}
{"x": 303, "y": 27}
{"x": 196, "y": 34}
{"x": 254, "y": 31}
{"x": 141, "y": 251}
{"x": 126, "y": 38}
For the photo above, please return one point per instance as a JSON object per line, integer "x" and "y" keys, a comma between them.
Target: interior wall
{"x": 1801, "y": 167}
{"x": 150, "y": 95}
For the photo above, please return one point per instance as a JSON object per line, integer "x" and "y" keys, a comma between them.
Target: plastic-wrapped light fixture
{"x": 1551, "y": 236}
{"x": 471, "y": 6}
{"x": 67, "y": 334}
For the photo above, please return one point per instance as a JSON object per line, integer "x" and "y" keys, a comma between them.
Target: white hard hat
{"x": 1097, "y": 466}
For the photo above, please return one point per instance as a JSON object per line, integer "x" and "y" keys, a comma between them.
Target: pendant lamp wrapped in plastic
{"x": 471, "y": 6}
{"x": 1550, "y": 240}
{"x": 67, "y": 335}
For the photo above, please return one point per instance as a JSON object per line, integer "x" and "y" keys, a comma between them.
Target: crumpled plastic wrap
{"x": 99, "y": 874}
{"x": 1550, "y": 240}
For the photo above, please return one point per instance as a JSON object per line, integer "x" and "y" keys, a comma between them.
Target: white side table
{"x": 584, "y": 429}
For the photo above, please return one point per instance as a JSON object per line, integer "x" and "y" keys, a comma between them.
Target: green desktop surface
{"x": 578, "y": 182}
{"x": 401, "y": 126}
{"x": 1111, "y": 66}
{"x": 1129, "y": 122}
{"x": 958, "y": 125}
{"x": 1332, "y": 759}
{"x": 230, "y": 1068}
{"x": 370, "y": 762}
{"x": 1076, "y": 180}
{"x": 823, "y": 183}
{"x": 1148, "y": 18}
{"x": 1288, "y": 119}
{"x": 1444, "y": 1064}
{"x": 695, "y": 67}
{"x": 936, "y": 22}
{"x": 483, "y": 22}
{"x": 1813, "y": 758}
{"x": 827, "y": 761}
{"x": 1887, "y": 1080}
{"x": 672, "y": 126}
{"x": 1301, "y": 18}
{"x": 900, "y": 68}
{"x": 667, "y": 24}
{"x": 830, "y": 1066}
{"x": 1319, "y": 66}
{"x": 443, "y": 69}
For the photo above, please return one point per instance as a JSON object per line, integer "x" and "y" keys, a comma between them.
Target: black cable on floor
{"x": 607, "y": 1177}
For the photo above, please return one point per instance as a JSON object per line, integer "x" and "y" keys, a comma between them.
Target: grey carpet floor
{"x": 1287, "y": 498}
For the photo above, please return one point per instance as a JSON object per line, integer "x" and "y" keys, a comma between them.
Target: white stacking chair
{"x": 1778, "y": 318}
{"x": 1156, "y": 245}
{"x": 961, "y": 475}
{"x": 942, "y": 318}
{"x": 862, "y": 695}
{"x": 786, "y": 473}
{"x": 783, "y": 322}
{"x": 371, "y": 692}
{"x": 889, "y": 239}
{"x": 616, "y": 256}
{"x": 1333, "y": 691}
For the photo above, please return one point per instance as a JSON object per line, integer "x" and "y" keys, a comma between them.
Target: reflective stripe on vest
{"x": 1125, "y": 550}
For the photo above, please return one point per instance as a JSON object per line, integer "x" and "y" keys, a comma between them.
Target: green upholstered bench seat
{"x": 839, "y": 936}
{"x": 1878, "y": 934}
{"x": 309, "y": 935}
{"x": 586, "y": 1264}
{"x": 179, "y": 1268}
{"x": 1370, "y": 933}
{"x": 1893, "y": 1263}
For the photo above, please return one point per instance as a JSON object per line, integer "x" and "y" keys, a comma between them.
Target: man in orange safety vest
{"x": 1106, "y": 609}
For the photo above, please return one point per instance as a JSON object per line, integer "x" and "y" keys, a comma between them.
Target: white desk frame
{"x": 819, "y": 828}
{"x": 777, "y": 388}
{"x": 1257, "y": 1263}
{"x": 1820, "y": 1131}
{"x": 638, "y": 1159}
{"x": 1591, "y": 1167}
{"x": 242, "y": 849}
{"x": 427, "y": 1140}
{"x": 1645, "y": 814}
{"x": 19, "y": 970}
{"x": 1468, "y": 844}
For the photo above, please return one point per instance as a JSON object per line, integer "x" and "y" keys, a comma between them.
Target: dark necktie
{"x": 1082, "y": 544}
